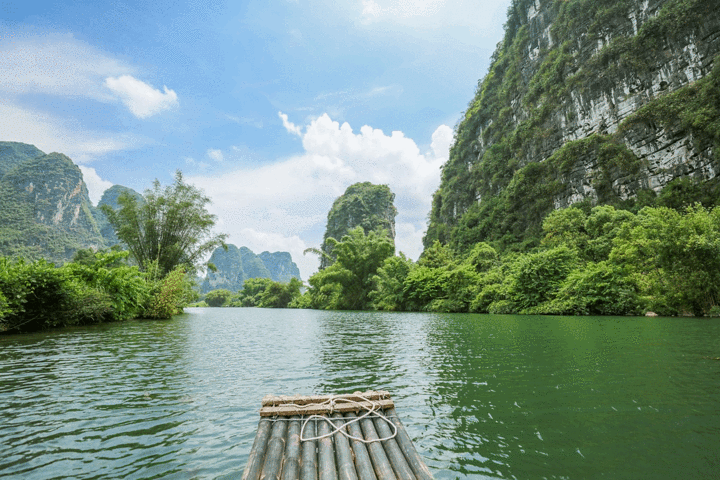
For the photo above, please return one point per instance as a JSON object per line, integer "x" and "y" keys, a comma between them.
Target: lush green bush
{"x": 596, "y": 289}
{"x": 673, "y": 257}
{"x": 218, "y": 298}
{"x": 38, "y": 295}
{"x": 536, "y": 277}
{"x": 168, "y": 295}
{"x": 280, "y": 295}
{"x": 124, "y": 285}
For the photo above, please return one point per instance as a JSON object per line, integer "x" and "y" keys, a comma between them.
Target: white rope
{"x": 332, "y": 401}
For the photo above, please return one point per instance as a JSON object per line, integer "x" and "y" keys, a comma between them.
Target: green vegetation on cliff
{"x": 45, "y": 211}
{"x": 509, "y": 164}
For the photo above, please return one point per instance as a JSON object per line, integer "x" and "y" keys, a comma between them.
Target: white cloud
{"x": 142, "y": 99}
{"x": 290, "y": 199}
{"x": 52, "y": 134}
{"x": 471, "y": 22}
{"x": 371, "y": 8}
{"x": 96, "y": 185}
{"x": 215, "y": 154}
{"x": 289, "y": 126}
{"x": 56, "y": 64}
{"x": 402, "y": 8}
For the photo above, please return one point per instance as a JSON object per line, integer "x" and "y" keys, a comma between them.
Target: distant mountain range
{"x": 45, "y": 212}
{"x": 235, "y": 265}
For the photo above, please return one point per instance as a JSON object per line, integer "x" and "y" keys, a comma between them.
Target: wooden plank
{"x": 323, "y": 409}
{"x": 392, "y": 450}
{"x": 308, "y": 470}
{"x": 257, "y": 452}
{"x": 362, "y": 457}
{"x": 274, "y": 454}
{"x": 380, "y": 462}
{"x": 326, "y": 453}
{"x": 343, "y": 454}
{"x": 291, "y": 465}
{"x": 275, "y": 400}
{"x": 421, "y": 471}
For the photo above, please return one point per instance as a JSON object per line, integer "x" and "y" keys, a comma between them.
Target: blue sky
{"x": 272, "y": 107}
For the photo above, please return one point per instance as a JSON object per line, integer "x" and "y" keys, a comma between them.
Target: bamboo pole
{"x": 393, "y": 452}
{"x": 308, "y": 470}
{"x": 343, "y": 454}
{"x": 326, "y": 455}
{"x": 421, "y": 471}
{"x": 382, "y": 466}
{"x": 362, "y": 457}
{"x": 287, "y": 410}
{"x": 274, "y": 400}
{"x": 291, "y": 465}
{"x": 274, "y": 454}
{"x": 257, "y": 452}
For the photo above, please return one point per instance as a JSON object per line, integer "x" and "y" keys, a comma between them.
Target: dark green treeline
{"x": 599, "y": 261}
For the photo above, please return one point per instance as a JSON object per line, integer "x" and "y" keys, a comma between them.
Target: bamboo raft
{"x": 287, "y": 446}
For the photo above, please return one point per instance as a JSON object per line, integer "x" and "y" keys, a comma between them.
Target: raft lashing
{"x": 333, "y": 437}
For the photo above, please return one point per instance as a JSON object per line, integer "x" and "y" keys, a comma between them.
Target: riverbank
{"x": 103, "y": 288}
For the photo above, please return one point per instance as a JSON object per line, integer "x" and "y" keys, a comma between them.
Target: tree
{"x": 673, "y": 257}
{"x": 172, "y": 227}
{"x": 388, "y": 284}
{"x": 218, "y": 298}
{"x": 280, "y": 295}
{"x": 345, "y": 284}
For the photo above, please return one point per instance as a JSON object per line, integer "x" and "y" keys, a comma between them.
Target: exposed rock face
{"x": 45, "y": 210}
{"x": 235, "y": 265}
{"x": 280, "y": 266}
{"x": 598, "y": 93}
{"x": 363, "y": 204}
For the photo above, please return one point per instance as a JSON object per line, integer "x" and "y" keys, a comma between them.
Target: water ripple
{"x": 481, "y": 396}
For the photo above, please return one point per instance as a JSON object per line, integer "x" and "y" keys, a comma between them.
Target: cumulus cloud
{"x": 142, "y": 99}
{"x": 95, "y": 185}
{"x": 288, "y": 201}
{"x": 215, "y": 154}
{"x": 289, "y": 126}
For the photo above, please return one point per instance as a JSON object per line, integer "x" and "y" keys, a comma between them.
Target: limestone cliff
{"x": 362, "y": 205}
{"x": 280, "y": 265}
{"x": 45, "y": 210}
{"x": 235, "y": 265}
{"x": 586, "y": 101}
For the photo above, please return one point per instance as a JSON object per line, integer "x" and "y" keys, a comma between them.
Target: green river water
{"x": 482, "y": 396}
